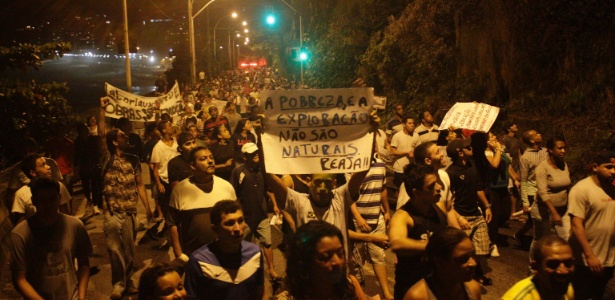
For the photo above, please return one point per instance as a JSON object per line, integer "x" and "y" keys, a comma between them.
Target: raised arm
{"x": 279, "y": 189}
{"x": 354, "y": 183}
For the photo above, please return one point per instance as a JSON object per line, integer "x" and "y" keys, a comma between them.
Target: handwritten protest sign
{"x": 317, "y": 131}
{"x": 475, "y": 116}
{"x": 139, "y": 108}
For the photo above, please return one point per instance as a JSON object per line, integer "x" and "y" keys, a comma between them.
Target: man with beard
{"x": 191, "y": 202}
{"x": 592, "y": 210}
{"x": 229, "y": 267}
{"x": 554, "y": 263}
{"x": 427, "y": 131}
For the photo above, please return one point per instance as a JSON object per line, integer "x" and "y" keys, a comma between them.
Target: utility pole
{"x": 191, "y": 36}
{"x": 127, "y": 49}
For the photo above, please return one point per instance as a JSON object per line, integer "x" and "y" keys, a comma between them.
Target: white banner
{"x": 139, "y": 108}
{"x": 470, "y": 115}
{"x": 317, "y": 131}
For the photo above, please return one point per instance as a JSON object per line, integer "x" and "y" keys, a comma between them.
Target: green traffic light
{"x": 270, "y": 19}
{"x": 303, "y": 56}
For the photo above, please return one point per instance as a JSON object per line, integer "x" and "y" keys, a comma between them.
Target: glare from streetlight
{"x": 234, "y": 15}
{"x": 244, "y": 23}
{"x": 270, "y": 20}
{"x": 238, "y": 35}
{"x": 246, "y": 30}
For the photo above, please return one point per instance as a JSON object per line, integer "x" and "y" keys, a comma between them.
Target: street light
{"x": 232, "y": 15}
{"x": 191, "y": 36}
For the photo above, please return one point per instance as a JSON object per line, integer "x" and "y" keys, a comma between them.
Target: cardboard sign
{"x": 317, "y": 131}
{"x": 139, "y": 108}
{"x": 471, "y": 115}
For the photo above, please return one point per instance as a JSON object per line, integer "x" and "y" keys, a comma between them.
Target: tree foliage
{"x": 29, "y": 109}
{"x": 23, "y": 56}
{"x": 547, "y": 64}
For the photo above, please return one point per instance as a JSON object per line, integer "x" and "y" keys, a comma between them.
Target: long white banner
{"x": 471, "y": 115}
{"x": 139, "y": 108}
{"x": 317, "y": 131}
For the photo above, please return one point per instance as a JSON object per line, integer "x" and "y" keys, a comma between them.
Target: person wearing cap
{"x": 591, "y": 206}
{"x": 191, "y": 202}
{"x": 179, "y": 166}
{"x": 468, "y": 189}
{"x": 249, "y": 185}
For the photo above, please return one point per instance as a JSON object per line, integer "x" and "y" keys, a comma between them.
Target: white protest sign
{"x": 139, "y": 108}
{"x": 317, "y": 131}
{"x": 471, "y": 115}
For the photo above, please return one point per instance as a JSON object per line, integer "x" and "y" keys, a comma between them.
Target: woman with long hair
{"x": 449, "y": 253}
{"x": 553, "y": 183}
{"x": 316, "y": 266}
{"x": 500, "y": 170}
{"x": 242, "y": 136}
{"x": 161, "y": 281}
{"x": 223, "y": 151}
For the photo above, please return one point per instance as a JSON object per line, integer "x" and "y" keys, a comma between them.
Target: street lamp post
{"x": 127, "y": 49}
{"x": 233, "y": 15}
{"x": 191, "y": 36}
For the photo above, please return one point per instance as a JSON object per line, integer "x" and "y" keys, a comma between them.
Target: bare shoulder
{"x": 418, "y": 291}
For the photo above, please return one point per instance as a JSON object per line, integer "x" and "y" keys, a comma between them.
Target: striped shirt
{"x": 427, "y": 134}
{"x": 370, "y": 193}
{"x": 530, "y": 159}
{"x": 526, "y": 290}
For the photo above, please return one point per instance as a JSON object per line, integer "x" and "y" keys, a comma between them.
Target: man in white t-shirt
{"x": 163, "y": 152}
{"x": 402, "y": 148}
{"x": 591, "y": 206}
{"x": 191, "y": 202}
{"x": 34, "y": 166}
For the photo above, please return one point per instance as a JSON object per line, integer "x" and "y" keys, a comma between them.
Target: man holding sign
{"x": 325, "y": 201}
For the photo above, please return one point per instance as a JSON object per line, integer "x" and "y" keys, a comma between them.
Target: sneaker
{"x": 494, "y": 251}
{"x": 118, "y": 290}
{"x": 131, "y": 290}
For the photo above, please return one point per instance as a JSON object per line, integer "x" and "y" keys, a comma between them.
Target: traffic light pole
{"x": 300, "y": 38}
{"x": 301, "y": 47}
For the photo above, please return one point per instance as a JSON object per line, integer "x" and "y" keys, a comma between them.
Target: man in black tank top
{"x": 413, "y": 224}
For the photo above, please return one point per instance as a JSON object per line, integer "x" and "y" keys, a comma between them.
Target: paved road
{"x": 505, "y": 270}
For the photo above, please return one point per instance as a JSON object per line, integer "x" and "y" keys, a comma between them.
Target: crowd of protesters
{"x": 454, "y": 189}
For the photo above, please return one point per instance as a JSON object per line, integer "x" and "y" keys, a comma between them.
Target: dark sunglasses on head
{"x": 555, "y": 263}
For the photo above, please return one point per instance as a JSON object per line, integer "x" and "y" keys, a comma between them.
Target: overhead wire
{"x": 163, "y": 13}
